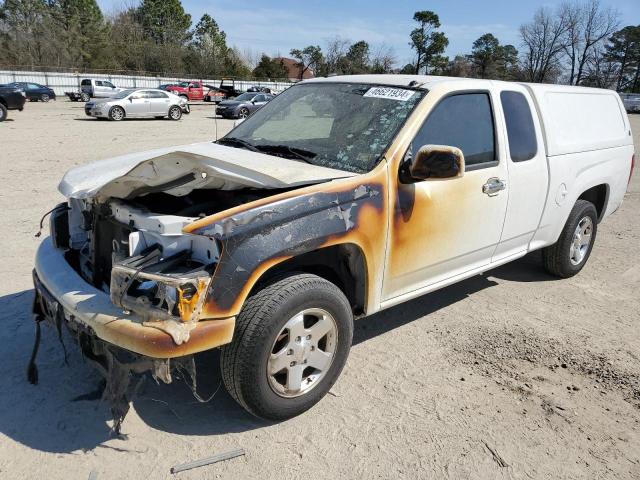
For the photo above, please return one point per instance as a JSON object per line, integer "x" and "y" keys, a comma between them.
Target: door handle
{"x": 493, "y": 186}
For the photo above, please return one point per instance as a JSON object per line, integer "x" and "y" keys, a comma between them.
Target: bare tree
{"x": 587, "y": 25}
{"x": 571, "y": 14}
{"x": 600, "y": 71}
{"x": 542, "y": 42}
{"x": 336, "y": 49}
{"x": 383, "y": 59}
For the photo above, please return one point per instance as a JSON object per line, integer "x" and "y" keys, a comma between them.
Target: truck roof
{"x": 427, "y": 82}
{"x": 421, "y": 81}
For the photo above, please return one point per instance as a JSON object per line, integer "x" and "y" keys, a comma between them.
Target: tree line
{"x": 580, "y": 42}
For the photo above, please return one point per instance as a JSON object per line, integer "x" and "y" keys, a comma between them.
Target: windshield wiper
{"x": 238, "y": 142}
{"x": 297, "y": 153}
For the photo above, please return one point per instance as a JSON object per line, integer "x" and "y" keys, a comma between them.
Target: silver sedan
{"x": 138, "y": 103}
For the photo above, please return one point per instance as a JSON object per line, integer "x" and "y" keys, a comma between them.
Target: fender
{"x": 256, "y": 239}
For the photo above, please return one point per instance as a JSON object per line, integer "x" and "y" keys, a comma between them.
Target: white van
{"x": 341, "y": 197}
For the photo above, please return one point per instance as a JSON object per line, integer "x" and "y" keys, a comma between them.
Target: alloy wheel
{"x": 302, "y": 352}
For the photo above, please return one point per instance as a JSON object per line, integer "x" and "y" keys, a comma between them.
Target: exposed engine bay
{"x": 135, "y": 250}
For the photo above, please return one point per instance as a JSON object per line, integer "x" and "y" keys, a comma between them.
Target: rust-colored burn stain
{"x": 260, "y": 235}
{"x": 188, "y": 305}
{"x": 432, "y": 221}
{"x": 155, "y": 343}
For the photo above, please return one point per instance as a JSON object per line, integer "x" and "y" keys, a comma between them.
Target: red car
{"x": 192, "y": 91}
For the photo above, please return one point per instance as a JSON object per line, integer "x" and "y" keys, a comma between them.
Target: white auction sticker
{"x": 391, "y": 93}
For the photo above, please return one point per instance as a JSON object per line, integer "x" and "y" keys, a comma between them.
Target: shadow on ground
{"x": 49, "y": 416}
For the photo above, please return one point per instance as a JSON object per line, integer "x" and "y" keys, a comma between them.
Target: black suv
{"x": 11, "y": 98}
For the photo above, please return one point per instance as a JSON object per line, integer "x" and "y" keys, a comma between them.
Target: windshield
{"x": 183, "y": 84}
{"x": 123, "y": 94}
{"x": 337, "y": 125}
{"x": 245, "y": 97}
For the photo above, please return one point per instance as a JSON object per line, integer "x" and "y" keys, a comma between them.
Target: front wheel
{"x": 243, "y": 113}
{"x": 44, "y": 97}
{"x": 291, "y": 341}
{"x": 3, "y": 113}
{"x": 116, "y": 113}
{"x": 570, "y": 253}
{"x": 175, "y": 113}
{"x": 85, "y": 97}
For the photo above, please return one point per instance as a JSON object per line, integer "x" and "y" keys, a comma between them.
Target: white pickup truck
{"x": 341, "y": 197}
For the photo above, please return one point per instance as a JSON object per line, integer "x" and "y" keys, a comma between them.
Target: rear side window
{"x": 156, "y": 94}
{"x": 464, "y": 121}
{"x": 86, "y": 82}
{"x": 98, "y": 83}
{"x": 521, "y": 132}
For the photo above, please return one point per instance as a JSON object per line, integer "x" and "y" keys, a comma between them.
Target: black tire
{"x": 3, "y": 113}
{"x": 85, "y": 97}
{"x": 244, "y": 361}
{"x": 557, "y": 257}
{"x": 175, "y": 113}
{"x": 45, "y": 97}
{"x": 243, "y": 112}
{"x": 116, "y": 113}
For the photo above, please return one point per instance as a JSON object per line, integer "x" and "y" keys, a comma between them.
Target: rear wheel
{"x": 3, "y": 113}
{"x": 570, "y": 253}
{"x": 116, "y": 113}
{"x": 290, "y": 344}
{"x": 175, "y": 113}
{"x": 44, "y": 97}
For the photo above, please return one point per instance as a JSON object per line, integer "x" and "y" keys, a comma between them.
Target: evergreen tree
{"x": 426, "y": 40}
{"x": 165, "y": 21}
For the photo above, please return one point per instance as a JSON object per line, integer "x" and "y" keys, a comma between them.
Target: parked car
{"x": 11, "y": 98}
{"x": 191, "y": 91}
{"x": 243, "y": 105}
{"x": 35, "y": 91}
{"x": 341, "y": 197}
{"x": 631, "y": 102}
{"x": 138, "y": 103}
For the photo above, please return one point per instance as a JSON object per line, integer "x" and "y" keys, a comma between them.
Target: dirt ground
{"x": 510, "y": 374}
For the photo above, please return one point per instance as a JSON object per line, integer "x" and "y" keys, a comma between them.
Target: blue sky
{"x": 275, "y": 27}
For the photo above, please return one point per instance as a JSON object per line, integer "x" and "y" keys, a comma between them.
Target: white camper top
{"x": 574, "y": 119}
{"x": 579, "y": 119}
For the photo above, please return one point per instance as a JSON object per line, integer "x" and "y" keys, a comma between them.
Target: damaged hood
{"x": 179, "y": 170}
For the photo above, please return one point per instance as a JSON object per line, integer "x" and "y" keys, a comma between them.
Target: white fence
{"x": 67, "y": 82}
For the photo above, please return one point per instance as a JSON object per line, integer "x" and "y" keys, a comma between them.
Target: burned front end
{"x": 128, "y": 270}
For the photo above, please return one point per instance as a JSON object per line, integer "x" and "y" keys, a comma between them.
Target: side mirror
{"x": 433, "y": 162}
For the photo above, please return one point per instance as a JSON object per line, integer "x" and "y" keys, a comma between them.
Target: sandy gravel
{"x": 511, "y": 374}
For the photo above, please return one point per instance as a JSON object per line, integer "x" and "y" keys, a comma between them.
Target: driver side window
{"x": 464, "y": 121}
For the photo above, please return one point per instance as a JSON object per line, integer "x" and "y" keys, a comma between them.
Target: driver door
{"x": 138, "y": 105}
{"x": 442, "y": 229}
